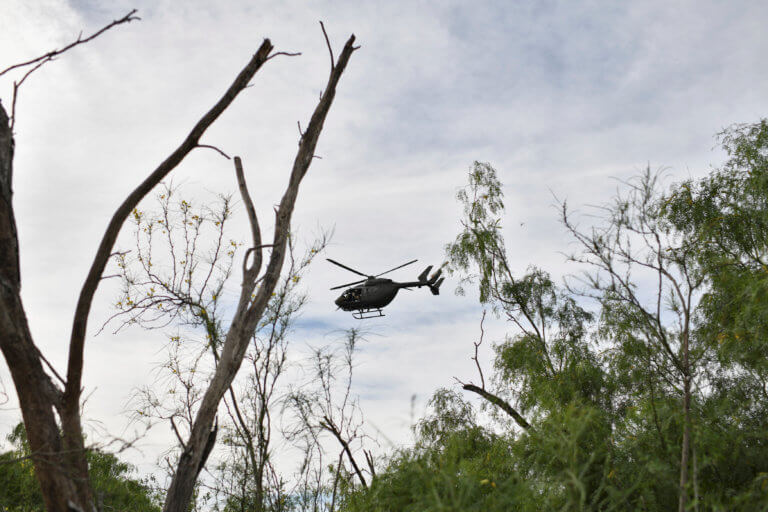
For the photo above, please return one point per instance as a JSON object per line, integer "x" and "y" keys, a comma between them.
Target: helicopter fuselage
{"x": 372, "y": 294}
{"x": 366, "y": 297}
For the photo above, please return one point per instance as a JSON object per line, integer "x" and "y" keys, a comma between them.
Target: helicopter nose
{"x": 339, "y": 301}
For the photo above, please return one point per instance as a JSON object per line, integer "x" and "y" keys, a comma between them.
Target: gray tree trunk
{"x": 57, "y": 465}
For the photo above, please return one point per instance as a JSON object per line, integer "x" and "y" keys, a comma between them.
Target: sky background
{"x": 562, "y": 98}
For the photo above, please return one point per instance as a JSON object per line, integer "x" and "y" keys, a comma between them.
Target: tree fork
{"x": 249, "y": 312}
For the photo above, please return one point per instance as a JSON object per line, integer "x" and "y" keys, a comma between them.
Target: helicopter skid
{"x": 362, "y": 314}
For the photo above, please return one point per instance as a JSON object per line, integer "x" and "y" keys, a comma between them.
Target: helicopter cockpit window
{"x": 352, "y": 294}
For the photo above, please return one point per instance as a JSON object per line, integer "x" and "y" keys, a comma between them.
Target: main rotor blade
{"x": 401, "y": 266}
{"x": 347, "y": 268}
{"x": 348, "y": 284}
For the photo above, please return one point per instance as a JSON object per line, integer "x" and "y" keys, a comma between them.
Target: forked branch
{"x": 250, "y": 311}
{"x": 79, "y": 325}
{"x": 38, "y": 62}
{"x": 54, "y": 53}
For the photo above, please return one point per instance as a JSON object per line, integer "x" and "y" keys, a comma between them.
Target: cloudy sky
{"x": 560, "y": 97}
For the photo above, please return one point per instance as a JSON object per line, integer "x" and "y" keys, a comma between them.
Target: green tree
{"x": 725, "y": 217}
{"x": 639, "y": 384}
{"x": 114, "y": 486}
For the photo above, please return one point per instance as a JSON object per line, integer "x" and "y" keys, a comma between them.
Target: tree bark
{"x": 686, "y": 414}
{"x": 686, "y": 443}
{"x": 38, "y": 396}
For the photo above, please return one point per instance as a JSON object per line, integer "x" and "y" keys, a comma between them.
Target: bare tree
{"x": 328, "y": 406}
{"x": 51, "y": 402}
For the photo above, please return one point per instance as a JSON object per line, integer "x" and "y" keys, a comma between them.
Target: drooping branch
{"x": 500, "y": 403}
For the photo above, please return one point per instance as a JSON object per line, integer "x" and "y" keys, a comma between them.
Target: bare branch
{"x": 328, "y": 425}
{"x": 178, "y": 435}
{"x": 208, "y": 146}
{"x": 250, "y": 274}
{"x": 77, "y": 339}
{"x": 287, "y": 54}
{"x": 369, "y": 460}
{"x": 15, "y": 96}
{"x": 50, "y": 367}
{"x": 477, "y": 346}
{"x": 43, "y": 59}
{"x": 500, "y": 403}
{"x": 53, "y": 53}
{"x": 328, "y": 43}
{"x": 250, "y": 311}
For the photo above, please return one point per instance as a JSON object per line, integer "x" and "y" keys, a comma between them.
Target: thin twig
{"x": 50, "y": 367}
{"x": 215, "y": 149}
{"x": 328, "y": 43}
{"x": 40, "y": 61}
{"x": 15, "y": 96}
{"x": 288, "y": 54}
{"x": 53, "y": 53}
{"x": 477, "y": 345}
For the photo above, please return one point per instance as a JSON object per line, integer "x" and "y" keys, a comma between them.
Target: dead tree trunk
{"x": 37, "y": 393}
{"x": 249, "y": 311}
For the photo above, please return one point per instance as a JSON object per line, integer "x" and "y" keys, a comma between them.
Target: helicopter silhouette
{"x": 373, "y": 293}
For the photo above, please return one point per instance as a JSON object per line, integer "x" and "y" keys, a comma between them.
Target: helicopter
{"x": 373, "y": 293}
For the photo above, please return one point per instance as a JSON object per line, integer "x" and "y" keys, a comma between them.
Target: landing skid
{"x": 362, "y": 314}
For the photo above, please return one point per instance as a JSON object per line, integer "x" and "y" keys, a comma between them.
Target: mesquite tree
{"x": 50, "y": 402}
{"x": 552, "y": 362}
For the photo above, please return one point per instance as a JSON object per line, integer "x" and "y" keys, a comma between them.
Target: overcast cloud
{"x": 560, "y": 97}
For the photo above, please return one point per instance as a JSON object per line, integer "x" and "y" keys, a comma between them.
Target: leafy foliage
{"x": 657, "y": 349}
{"x": 113, "y": 484}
